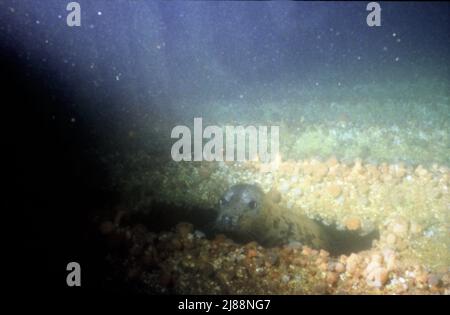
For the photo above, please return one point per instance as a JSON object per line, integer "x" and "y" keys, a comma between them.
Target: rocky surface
{"x": 183, "y": 261}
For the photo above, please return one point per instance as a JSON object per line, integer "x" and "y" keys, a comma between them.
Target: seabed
{"x": 406, "y": 202}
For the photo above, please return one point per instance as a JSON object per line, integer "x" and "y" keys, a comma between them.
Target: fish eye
{"x": 252, "y": 204}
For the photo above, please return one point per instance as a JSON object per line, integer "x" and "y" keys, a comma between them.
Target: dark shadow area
{"x": 54, "y": 180}
{"x": 347, "y": 242}
{"x": 163, "y": 217}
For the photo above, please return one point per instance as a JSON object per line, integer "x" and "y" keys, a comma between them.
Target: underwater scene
{"x": 233, "y": 147}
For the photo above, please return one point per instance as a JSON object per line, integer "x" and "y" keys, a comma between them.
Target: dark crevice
{"x": 346, "y": 242}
